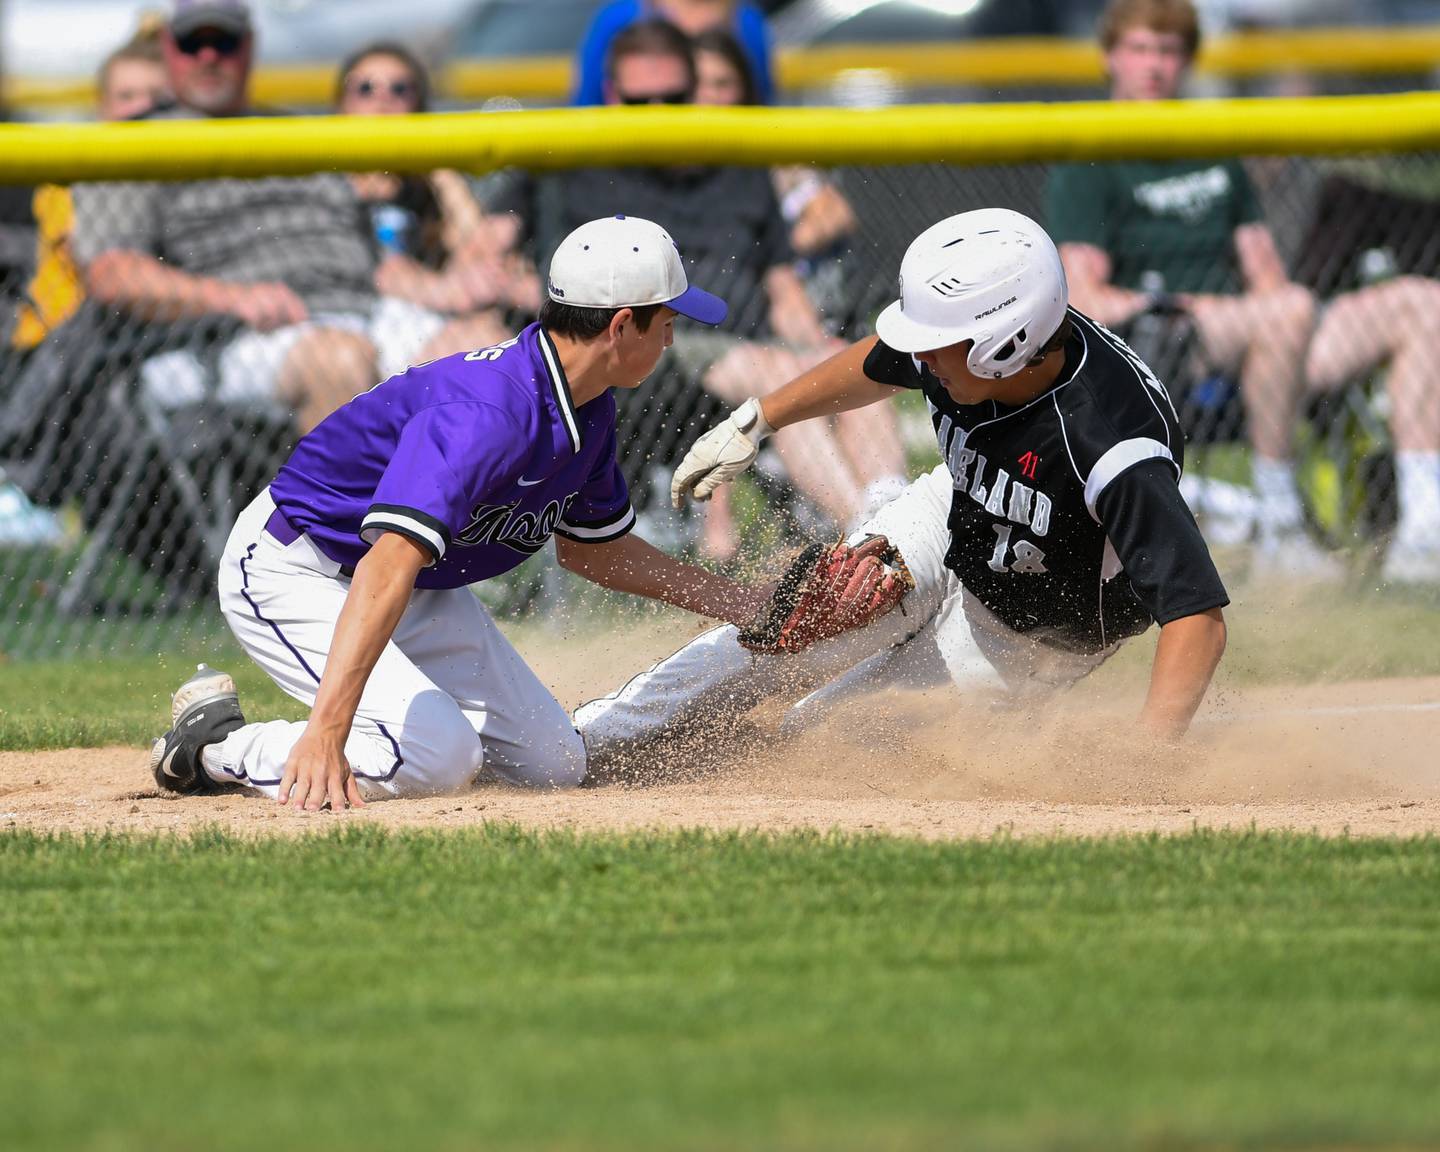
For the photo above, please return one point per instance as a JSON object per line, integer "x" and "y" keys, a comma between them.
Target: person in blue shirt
{"x": 692, "y": 17}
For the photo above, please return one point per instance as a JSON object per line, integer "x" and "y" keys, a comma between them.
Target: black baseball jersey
{"x": 1066, "y": 518}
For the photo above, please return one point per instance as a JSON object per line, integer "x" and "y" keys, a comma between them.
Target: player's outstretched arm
{"x": 834, "y": 385}
{"x": 1186, "y": 656}
{"x": 633, "y": 565}
{"x": 725, "y": 451}
{"x": 379, "y": 593}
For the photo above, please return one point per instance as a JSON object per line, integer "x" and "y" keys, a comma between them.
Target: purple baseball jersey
{"x": 477, "y": 457}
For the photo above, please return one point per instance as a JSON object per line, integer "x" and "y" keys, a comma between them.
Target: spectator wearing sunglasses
{"x": 745, "y": 21}
{"x": 436, "y": 246}
{"x": 727, "y": 222}
{"x": 285, "y": 256}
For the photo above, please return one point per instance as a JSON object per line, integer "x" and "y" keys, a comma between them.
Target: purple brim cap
{"x": 700, "y": 305}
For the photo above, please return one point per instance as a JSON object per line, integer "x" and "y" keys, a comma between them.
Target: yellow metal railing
{"x": 995, "y": 63}
{"x": 1017, "y": 61}
{"x": 555, "y": 138}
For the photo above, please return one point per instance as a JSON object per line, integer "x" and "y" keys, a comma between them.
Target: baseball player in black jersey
{"x": 1054, "y": 530}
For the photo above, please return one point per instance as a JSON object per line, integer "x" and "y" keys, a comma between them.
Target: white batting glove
{"x": 721, "y": 454}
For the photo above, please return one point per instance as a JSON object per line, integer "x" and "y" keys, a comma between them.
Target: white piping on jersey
{"x": 408, "y": 526}
{"x": 559, "y": 388}
{"x": 1131, "y": 359}
{"x": 1100, "y": 598}
{"x": 1065, "y": 437}
{"x": 1110, "y": 565}
{"x": 605, "y": 532}
{"x": 1116, "y": 460}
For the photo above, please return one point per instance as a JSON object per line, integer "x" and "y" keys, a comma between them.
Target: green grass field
{"x": 499, "y": 989}
{"x": 492, "y": 988}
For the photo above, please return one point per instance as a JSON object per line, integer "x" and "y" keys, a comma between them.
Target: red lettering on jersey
{"x": 1027, "y": 465}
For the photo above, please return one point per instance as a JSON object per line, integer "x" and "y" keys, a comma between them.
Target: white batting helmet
{"x": 991, "y": 276}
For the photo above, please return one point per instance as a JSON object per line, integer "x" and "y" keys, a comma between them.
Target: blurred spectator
{"x": 1379, "y": 244}
{"x": 133, "y": 79}
{"x": 131, "y": 82}
{"x": 746, "y": 21}
{"x": 21, "y": 523}
{"x": 17, "y": 244}
{"x": 436, "y": 245}
{"x": 1168, "y": 237}
{"x": 287, "y": 257}
{"x": 17, "y": 252}
{"x": 727, "y": 222}
{"x": 819, "y": 217}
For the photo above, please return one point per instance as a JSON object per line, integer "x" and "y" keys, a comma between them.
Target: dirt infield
{"x": 1362, "y": 758}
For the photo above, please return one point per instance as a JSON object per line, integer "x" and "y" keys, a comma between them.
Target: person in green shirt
{"x": 1161, "y": 236}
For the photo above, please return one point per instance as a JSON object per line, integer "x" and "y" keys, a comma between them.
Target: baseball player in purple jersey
{"x": 346, "y": 579}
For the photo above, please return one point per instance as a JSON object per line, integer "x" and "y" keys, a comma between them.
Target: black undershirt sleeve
{"x": 1159, "y": 544}
{"x": 884, "y": 365}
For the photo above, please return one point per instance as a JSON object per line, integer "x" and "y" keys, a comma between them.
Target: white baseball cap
{"x": 627, "y": 262}
{"x": 991, "y": 276}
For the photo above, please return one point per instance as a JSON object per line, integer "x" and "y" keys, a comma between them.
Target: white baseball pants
{"x": 940, "y": 635}
{"x": 448, "y": 695}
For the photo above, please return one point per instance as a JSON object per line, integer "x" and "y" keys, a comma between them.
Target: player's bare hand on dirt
{"x": 266, "y": 307}
{"x": 316, "y": 773}
{"x": 721, "y": 454}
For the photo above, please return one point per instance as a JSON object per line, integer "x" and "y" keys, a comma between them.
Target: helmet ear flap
{"x": 1008, "y": 349}
{"x": 998, "y": 364}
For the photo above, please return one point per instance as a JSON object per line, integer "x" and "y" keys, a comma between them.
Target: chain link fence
{"x": 133, "y": 429}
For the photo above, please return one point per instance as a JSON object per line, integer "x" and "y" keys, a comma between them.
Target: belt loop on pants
{"x": 284, "y": 533}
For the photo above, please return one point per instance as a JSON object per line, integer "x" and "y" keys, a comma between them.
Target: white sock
{"x": 1279, "y": 508}
{"x": 211, "y": 762}
{"x": 1417, "y": 475}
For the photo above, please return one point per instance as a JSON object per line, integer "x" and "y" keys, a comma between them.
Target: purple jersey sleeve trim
{"x": 605, "y": 521}
{"x": 418, "y": 526}
{"x": 560, "y": 386}
{"x": 613, "y": 529}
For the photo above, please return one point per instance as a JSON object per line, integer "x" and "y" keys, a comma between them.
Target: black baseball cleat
{"x": 204, "y": 710}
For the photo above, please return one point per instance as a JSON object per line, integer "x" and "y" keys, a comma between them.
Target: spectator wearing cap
{"x": 287, "y": 257}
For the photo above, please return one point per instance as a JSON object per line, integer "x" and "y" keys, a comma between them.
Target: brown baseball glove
{"x": 829, "y": 589}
